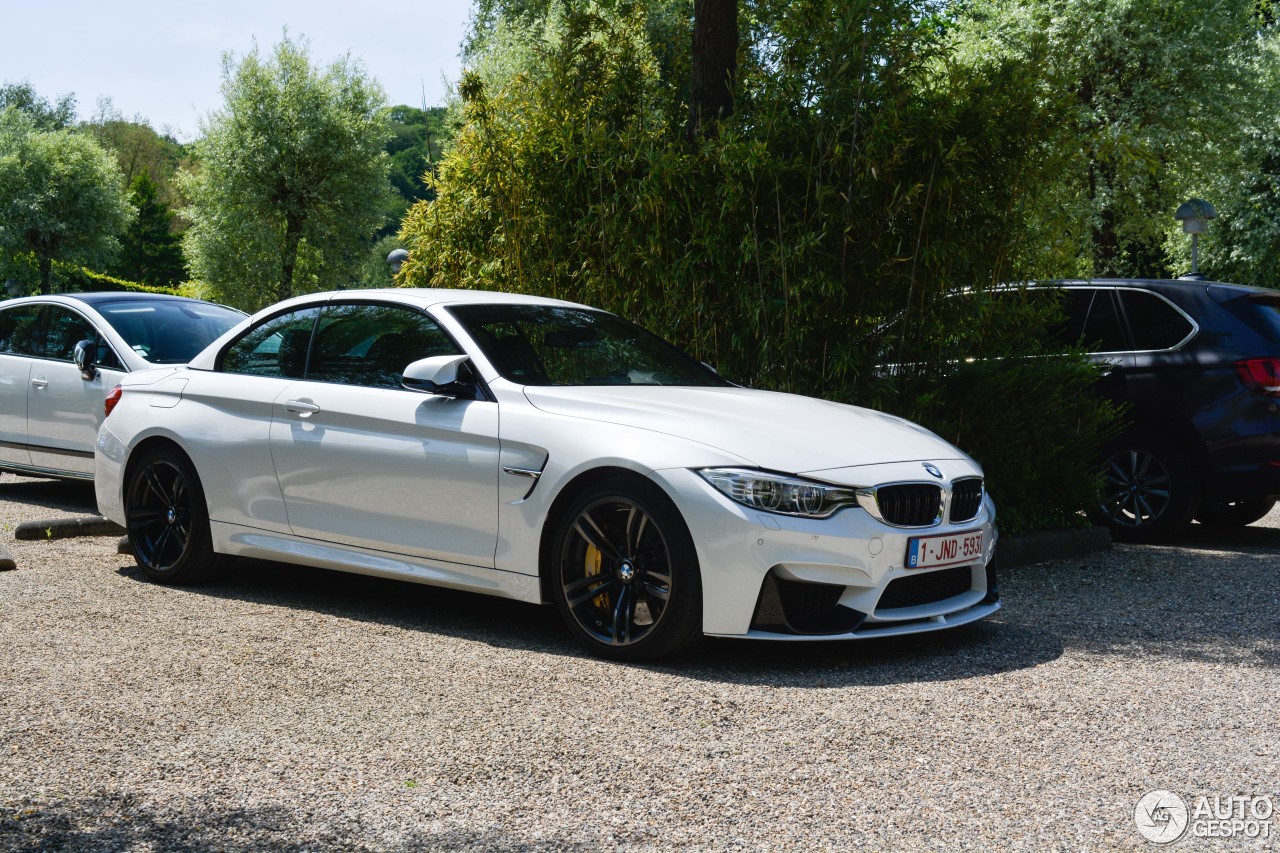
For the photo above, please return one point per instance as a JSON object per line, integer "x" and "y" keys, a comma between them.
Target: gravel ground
{"x": 294, "y": 709}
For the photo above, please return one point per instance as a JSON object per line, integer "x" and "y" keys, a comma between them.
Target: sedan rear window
{"x": 555, "y": 345}
{"x": 165, "y": 332}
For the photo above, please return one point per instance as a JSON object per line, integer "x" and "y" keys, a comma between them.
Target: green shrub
{"x": 865, "y": 175}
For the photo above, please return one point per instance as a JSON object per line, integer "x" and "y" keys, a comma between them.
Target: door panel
{"x": 19, "y": 337}
{"x": 389, "y": 470}
{"x": 64, "y": 410}
{"x": 15, "y": 373}
{"x": 63, "y": 414}
{"x": 226, "y": 415}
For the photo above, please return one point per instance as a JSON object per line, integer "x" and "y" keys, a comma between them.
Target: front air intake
{"x": 927, "y": 588}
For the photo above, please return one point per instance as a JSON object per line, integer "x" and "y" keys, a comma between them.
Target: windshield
{"x": 165, "y": 332}
{"x": 553, "y": 345}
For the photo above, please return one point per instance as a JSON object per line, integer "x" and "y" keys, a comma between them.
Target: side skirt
{"x": 268, "y": 545}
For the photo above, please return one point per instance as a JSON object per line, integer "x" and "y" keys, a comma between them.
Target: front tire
{"x": 168, "y": 521}
{"x": 1233, "y": 513}
{"x": 1149, "y": 491}
{"x": 624, "y": 572}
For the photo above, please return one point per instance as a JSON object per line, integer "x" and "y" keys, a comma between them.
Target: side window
{"x": 1155, "y": 323}
{"x": 1075, "y": 307}
{"x": 18, "y": 330}
{"x": 274, "y": 347}
{"x": 1103, "y": 331}
{"x": 65, "y": 328}
{"x": 370, "y": 345}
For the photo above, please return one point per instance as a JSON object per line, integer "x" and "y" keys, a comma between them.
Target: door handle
{"x": 298, "y": 407}
{"x": 39, "y": 382}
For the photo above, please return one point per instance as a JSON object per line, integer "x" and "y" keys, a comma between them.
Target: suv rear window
{"x": 1260, "y": 312}
{"x": 1155, "y": 324}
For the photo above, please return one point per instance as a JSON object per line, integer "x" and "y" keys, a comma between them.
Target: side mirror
{"x": 445, "y": 375}
{"x": 83, "y": 355}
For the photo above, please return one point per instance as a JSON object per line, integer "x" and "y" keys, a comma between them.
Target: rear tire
{"x": 624, "y": 573}
{"x": 1149, "y": 491}
{"x": 167, "y": 520}
{"x": 1233, "y": 513}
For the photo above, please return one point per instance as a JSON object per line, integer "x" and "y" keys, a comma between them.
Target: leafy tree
{"x": 292, "y": 178}
{"x": 60, "y": 197}
{"x": 1243, "y": 243}
{"x": 44, "y": 114}
{"x": 151, "y": 253}
{"x": 418, "y": 138}
{"x": 1159, "y": 94}
{"x": 868, "y": 169}
{"x": 139, "y": 149}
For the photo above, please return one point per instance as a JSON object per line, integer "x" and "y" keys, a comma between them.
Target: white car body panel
{"x": 425, "y": 469}
{"x": 457, "y": 493}
{"x": 15, "y": 376}
{"x": 747, "y": 424}
{"x": 66, "y": 409}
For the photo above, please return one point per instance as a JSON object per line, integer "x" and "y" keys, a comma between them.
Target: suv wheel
{"x": 1149, "y": 489}
{"x": 1233, "y": 513}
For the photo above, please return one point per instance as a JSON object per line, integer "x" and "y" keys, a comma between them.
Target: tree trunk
{"x": 715, "y": 64}
{"x": 1106, "y": 246}
{"x": 46, "y": 274}
{"x": 292, "y": 238}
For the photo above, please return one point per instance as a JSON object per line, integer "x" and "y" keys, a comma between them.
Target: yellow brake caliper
{"x": 594, "y": 563}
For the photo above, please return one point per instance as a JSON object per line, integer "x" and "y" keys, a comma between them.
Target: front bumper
{"x": 771, "y": 576}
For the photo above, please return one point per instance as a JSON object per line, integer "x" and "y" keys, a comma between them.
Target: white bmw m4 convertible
{"x": 547, "y": 452}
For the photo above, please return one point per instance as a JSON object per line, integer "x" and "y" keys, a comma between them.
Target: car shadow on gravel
{"x": 1212, "y": 597}
{"x": 965, "y": 652}
{"x": 1252, "y": 539}
{"x": 65, "y": 496}
{"x": 122, "y": 822}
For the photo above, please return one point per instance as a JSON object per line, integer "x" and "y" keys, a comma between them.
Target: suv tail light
{"x": 112, "y": 398}
{"x": 1260, "y": 374}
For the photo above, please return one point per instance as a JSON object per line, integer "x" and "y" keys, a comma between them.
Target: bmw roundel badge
{"x": 932, "y": 469}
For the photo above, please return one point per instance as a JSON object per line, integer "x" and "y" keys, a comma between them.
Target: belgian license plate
{"x": 929, "y": 552}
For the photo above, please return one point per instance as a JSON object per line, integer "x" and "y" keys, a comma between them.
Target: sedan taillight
{"x": 1260, "y": 374}
{"x": 112, "y": 398}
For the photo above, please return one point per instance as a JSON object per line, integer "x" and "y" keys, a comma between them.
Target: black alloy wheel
{"x": 1148, "y": 489}
{"x": 625, "y": 574}
{"x": 167, "y": 520}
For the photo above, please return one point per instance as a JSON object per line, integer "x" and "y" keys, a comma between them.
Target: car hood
{"x": 780, "y": 432}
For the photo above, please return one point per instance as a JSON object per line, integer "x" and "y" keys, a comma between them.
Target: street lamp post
{"x": 396, "y": 259}
{"x": 1194, "y": 214}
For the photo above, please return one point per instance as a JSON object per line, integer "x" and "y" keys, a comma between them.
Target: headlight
{"x": 778, "y": 492}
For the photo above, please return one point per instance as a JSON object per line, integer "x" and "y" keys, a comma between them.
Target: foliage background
{"x": 869, "y": 169}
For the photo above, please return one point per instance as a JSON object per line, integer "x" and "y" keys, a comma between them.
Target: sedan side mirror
{"x": 445, "y": 375}
{"x": 83, "y": 355}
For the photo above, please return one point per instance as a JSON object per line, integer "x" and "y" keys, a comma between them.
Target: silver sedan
{"x": 61, "y": 354}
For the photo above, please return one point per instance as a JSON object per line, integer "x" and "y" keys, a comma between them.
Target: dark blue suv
{"x": 1197, "y": 364}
